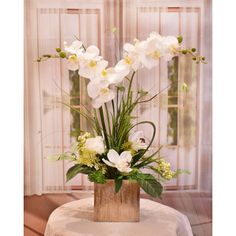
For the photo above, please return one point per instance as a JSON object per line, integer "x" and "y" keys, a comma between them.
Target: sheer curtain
{"x": 183, "y": 120}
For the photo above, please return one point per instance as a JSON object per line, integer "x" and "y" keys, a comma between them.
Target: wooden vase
{"x": 117, "y": 207}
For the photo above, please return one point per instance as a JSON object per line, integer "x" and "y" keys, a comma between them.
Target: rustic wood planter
{"x": 116, "y": 207}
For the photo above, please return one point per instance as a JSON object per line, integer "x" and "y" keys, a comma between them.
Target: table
{"x": 76, "y": 219}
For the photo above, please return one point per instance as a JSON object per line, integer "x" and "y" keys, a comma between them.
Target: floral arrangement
{"x": 112, "y": 149}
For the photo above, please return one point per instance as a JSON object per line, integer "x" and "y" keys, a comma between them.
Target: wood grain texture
{"x": 117, "y": 207}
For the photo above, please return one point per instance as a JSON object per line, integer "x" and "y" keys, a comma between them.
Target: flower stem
{"x": 104, "y": 127}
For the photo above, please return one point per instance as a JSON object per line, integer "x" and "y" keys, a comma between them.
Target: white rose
{"x": 95, "y": 144}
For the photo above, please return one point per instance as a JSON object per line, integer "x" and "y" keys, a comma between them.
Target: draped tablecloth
{"x": 76, "y": 219}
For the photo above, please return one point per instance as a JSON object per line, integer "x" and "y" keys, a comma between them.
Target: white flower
{"x": 171, "y": 47}
{"x": 74, "y": 48}
{"x": 73, "y": 62}
{"x": 130, "y": 60}
{"x": 100, "y": 92}
{"x": 95, "y": 144}
{"x": 150, "y": 50}
{"x": 92, "y": 53}
{"x": 111, "y": 75}
{"x": 91, "y": 63}
{"x": 121, "y": 162}
{"x": 91, "y": 68}
{"x": 137, "y": 140}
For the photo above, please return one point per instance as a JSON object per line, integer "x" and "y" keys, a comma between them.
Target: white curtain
{"x": 183, "y": 121}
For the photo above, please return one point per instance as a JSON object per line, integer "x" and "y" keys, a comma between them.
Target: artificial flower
{"x": 150, "y": 50}
{"x": 91, "y": 63}
{"x": 95, "y": 144}
{"x": 129, "y": 61}
{"x": 100, "y": 91}
{"x": 137, "y": 141}
{"x": 73, "y": 62}
{"x": 111, "y": 75}
{"x": 171, "y": 47}
{"x": 91, "y": 68}
{"x": 74, "y": 48}
{"x": 163, "y": 168}
{"x": 121, "y": 162}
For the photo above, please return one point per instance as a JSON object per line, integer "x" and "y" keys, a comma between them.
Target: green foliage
{"x": 118, "y": 183}
{"x": 62, "y": 156}
{"x": 97, "y": 177}
{"x": 179, "y": 171}
{"x": 76, "y": 169}
{"x": 75, "y": 101}
{"x": 148, "y": 183}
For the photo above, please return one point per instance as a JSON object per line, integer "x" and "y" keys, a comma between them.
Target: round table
{"x": 76, "y": 219}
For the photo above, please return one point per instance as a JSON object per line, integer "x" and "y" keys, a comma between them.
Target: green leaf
{"x": 97, "y": 177}
{"x": 59, "y": 157}
{"x": 76, "y": 169}
{"x": 137, "y": 157}
{"x": 118, "y": 184}
{"x": 151, "y": 187}
{"x": 179, "y": 171}
{"x": 148, "y": 183}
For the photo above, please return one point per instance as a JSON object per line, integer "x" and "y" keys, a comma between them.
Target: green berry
{"x": 184, "y": 51}
{"x": 193, "y": 49}
{"x": 58, "y": 49}
{"x": 203, "y": 58}
{"x": 62, "y": 54}
{"x": 194, "y": 58}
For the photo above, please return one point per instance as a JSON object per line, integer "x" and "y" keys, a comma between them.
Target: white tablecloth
{"x": 76, "y": 219}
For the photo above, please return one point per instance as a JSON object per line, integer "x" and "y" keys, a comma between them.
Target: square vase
{"x": 123, "y": 206}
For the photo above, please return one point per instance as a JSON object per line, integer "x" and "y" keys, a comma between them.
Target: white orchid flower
{"x": 111, "y": 75}
{"x": 121, "y": 162}
{"x": 130, "y": 60}
{"x": 92, "y": 53}
{"x": 92, "y": 64}
{"x": 73, "y": 62}
{"x": 137, "y": 140}
{"x": 100, "y": 92}
{"x": 91, "y": 69}
{"x": 150, "y": 50}
{"x": 171, "y": 47}
{"x": 74, "y": 48}
{"x": 95, "y": 144}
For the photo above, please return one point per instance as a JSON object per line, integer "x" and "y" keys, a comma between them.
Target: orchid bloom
{"x": 171, "y": 47}
{"x": 150, "y": 50}
{"x": 92, "y": 64}
{"x": 74, "y": 48}
{"x": 137, "y": 141}
{"x": 121, "y": 162}
{"x": 130, "y": 60}
{"x": 95, "y": 144}
{"x": 100, "y": 92}
{"x": 76, "y": 51}
{"x": 111, "y": 75}
{"x": 73, "y": 62}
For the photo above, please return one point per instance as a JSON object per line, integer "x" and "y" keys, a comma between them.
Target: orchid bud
{"x": 62, "y": 54}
